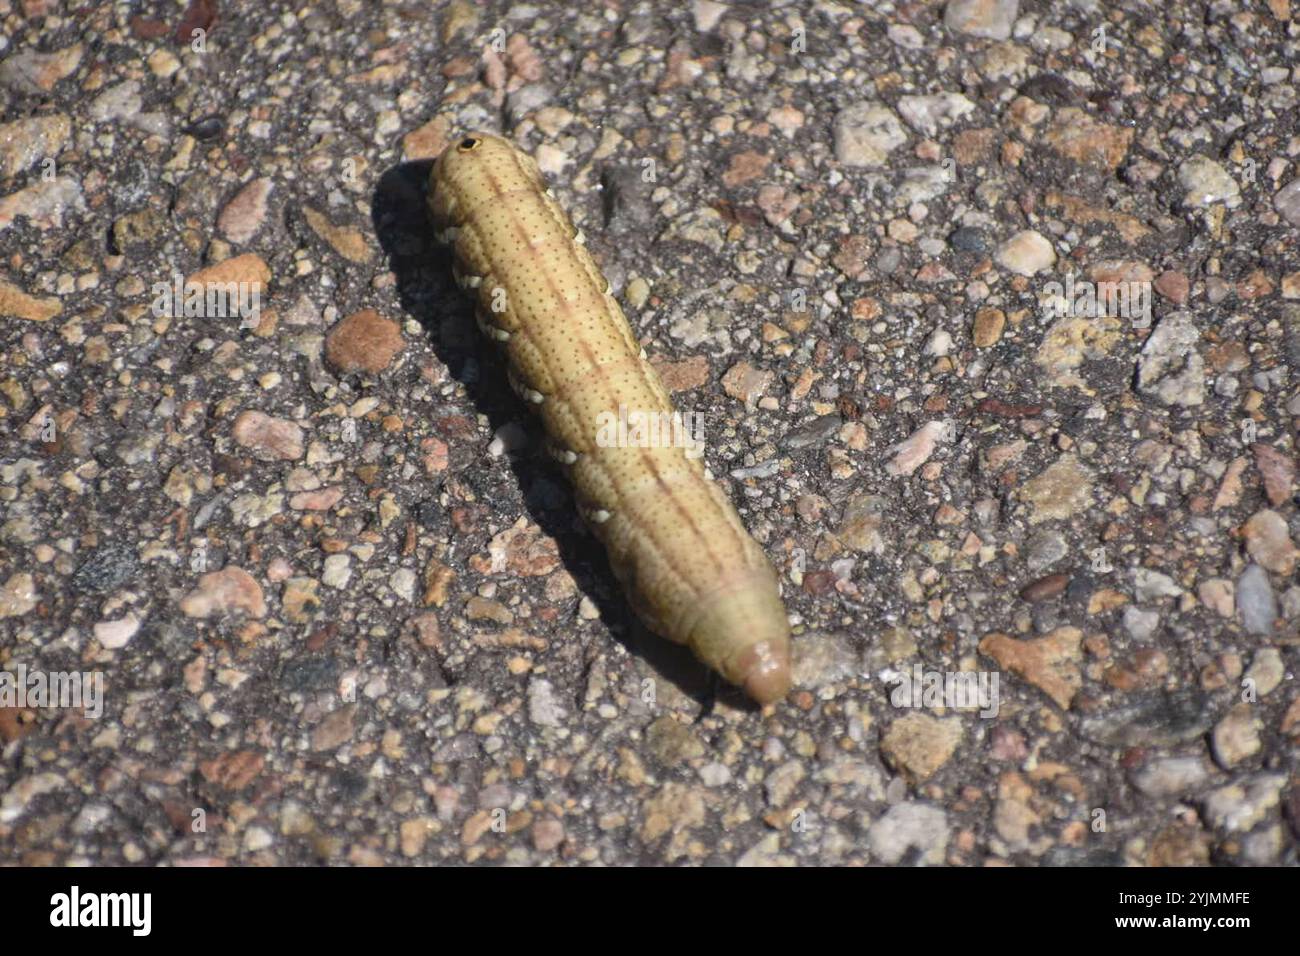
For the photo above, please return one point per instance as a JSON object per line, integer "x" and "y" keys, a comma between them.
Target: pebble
{"x": 363, "y": 342}
{"x": 319, "y": 500}
{"x": 1269, "y": 542}
{"x": 866, "y": 133}
{"x": 1207, "y": 183}
{"x": 1236, "y": 737}
{"x": 1172, "y": 776}
{"x": 914, "y": 451}
{"x": 106, "y": 568}
{"x": 1152, "y": 585}
{"x": 1240, "y": 807}
{"x": 1287, "y": 202}
{"x": 992, "y": 19}
{"x": 1014, "y": 817}
{"x": 1081, "y": 138}
{"x": 28, "y": 71}
{"x": 987, "y": 330}
{"x": 548, "y": 834}
{"x": 1070, "y": 341}
{"x": 969, "y": 239}
{"x": 1044, "y": 548}
{"x": 224, "y": 592}
{"x": 25, "y": 142}
{"x": 1290, "y": 603}
{"x": 1174, "y": 286}
{"x": 822, "y": 658}
{"x": 910, "y": 826}
{"x": 347, "y": 241}
{"x": 1277, "y": 469}
{"x": 1026, "y": 253}
{"x": 123, "y": 103}
{"x": 257, "y": 838}
{"x": 15, "y": 303}
{"x": 862, "y": 526}
{"x": 544, "y": 708}
{"x": 1050, "y": 663}
{"x": 337, "y": 571}
{"x": 715, "y": 774}
{"x": 707, "y": 13}
{"x": 919, "y": 744}
{"x": 927, "y": 114}
{"x": 18, "y": 798}
{"x": 1154, "y": 719}
{"x": 249, "y": 268}
{"x": 779, "y": 785}
{"x": 113, "y": 635}
{"x": 18, "y": 596}
{"x": 269, "y": 439}
{"x": 672, "y": 742}
{"x": 1045, "y": 588}
{"x": 335, "y": 729}
{"x": 939, "y": 344}
{"x": 402, "y": 583}
{"x": 1263, "y": 846}
{"x": 1060, "y": 491}
{"x": 44, "y": 203}
{"x": 1266, "y": 671}
{"x": 244, "y": 215}
{"x": 1256, "y": 602}
{"x": 1141, "y": 623}
{"x": 427, "y": 141}
{"x": 1170, "y": 367}
{"x": 746, "y": 383}
{"x": 627, "y": 207}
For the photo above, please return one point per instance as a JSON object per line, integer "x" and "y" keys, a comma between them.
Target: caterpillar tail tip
{"x": 766, "y": 670}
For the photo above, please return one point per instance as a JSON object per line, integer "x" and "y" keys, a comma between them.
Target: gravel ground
{"x": 341, "y": 605}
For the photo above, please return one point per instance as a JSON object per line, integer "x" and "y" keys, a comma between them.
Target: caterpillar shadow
{"x": 427, "y": 292}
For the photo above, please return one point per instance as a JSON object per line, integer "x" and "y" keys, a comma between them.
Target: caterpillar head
{"x": 474, "y": 165}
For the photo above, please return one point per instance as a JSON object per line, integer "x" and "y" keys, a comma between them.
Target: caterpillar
{"x": 688, "y": 566}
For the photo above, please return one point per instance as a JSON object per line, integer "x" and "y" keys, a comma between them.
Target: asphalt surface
{"x": 340, "y": 605}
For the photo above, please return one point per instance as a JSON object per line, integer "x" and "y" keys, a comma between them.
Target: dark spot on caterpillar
{"x": 469, "y": 143}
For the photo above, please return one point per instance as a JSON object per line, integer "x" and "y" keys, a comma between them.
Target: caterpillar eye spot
{"x": 469, "y": 143}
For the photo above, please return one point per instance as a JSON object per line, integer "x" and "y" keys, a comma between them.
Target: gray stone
{"x": 992, "y": 19}
{"x": 866, "y": 133}
{"x": 1207, "y": 183}
{"x": 1256, "y": 602}
{"x": 1141, "y": 623}
{"x": 1241, "y": 806}
{"x": 1170, "y": 368}
{"x": 1287, "y": 202}
{"x": 908, "y": 826}
{"x": 1172, "y": 776}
